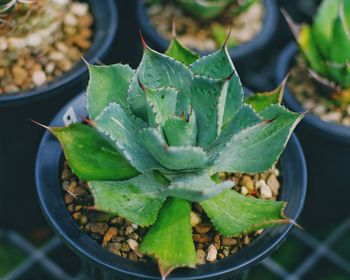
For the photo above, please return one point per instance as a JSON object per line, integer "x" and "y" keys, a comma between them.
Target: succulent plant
{"x": 209, "y": 9}
{"x": 325, "y": 46}
{"x": 158, "y": 136}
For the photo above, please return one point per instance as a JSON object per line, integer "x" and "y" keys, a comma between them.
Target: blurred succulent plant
{"x": 326, "y": 46}
{"x": 157, "y": 138}
{"x": 7, "y": 5}
{"x": 209, "y": 9}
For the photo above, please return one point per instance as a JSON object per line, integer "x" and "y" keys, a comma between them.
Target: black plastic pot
{"x": 47, "y": 173}
{"x": 245, "y": 56}
{"x": 327, "y": 151}
{"x": 20, "y": 137}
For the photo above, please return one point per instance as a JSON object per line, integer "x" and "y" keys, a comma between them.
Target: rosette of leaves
{"x": 209, "y": 9}
{"x": 325, "y": 46}
{"x": 158, "y": 136}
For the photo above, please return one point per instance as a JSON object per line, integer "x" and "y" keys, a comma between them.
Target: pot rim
{"x": 266, "y": 33}
{"x": 49, "y": 188}
{"x": 102, "y": 41}
{"x": 329, "y": 130}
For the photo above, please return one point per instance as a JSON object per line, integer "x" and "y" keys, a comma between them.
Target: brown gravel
{"x": 122, "y": 237}
{"x": 309, "y": 94}
{"x": 33, "y": 58}
{"x": 200, "y": 35}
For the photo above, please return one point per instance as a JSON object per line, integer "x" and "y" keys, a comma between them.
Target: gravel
{"x": 122, "y": 237}
{"x": 312, "y": 97}
{"x": 33, "y": 58}
{"x": 200, "y": 35}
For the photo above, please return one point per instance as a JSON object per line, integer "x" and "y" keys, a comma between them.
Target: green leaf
{"x": 322, "y": 27}
{"x": 245, "y": 118}
{"x": 207, "y": 98}
{"x": 117, "y": 125}
{"x": 174, "y": 158}
{"x": 218, "y": 65}
{"x": 169, "y": 240}
{"x": 138, "y": 199}
{"x": 90, "y": 155}
{"x": 261, "y": 100}
{"x": 310, "y": 50}
{"x": 161, "y": 105}
{"x": 196, "y": 186}
{"x": 181, "y": 131}
{"x": 257, "y": 148}
{"x": 340, "y": 51}
{"x": 233, "y": 214}
{"x": 181, "y": 53}
{"x": 204, "y": 9}
{"x": 157, "y": 71}
{"x": 107, "y": 84}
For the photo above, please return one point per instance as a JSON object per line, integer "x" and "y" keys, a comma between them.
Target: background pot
{"x": 49, "y": 167}
{"x": 327, "y": 152}
{"x": 246, "y": 57}
{"x": 20, "y": 137}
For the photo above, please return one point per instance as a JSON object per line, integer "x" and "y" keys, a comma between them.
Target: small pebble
{"x": 212, "y": 253}
{"x": 39, "y": 78}
{"x": 195, "y": 219}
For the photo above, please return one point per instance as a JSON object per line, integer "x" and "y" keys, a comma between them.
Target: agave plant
{"x": 158, "y": 136}
{"x": 326, "y": 46}
{"x": 209, "y": 9}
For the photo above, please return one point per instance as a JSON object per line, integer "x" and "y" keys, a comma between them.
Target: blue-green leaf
{"x": 107, "y": 84}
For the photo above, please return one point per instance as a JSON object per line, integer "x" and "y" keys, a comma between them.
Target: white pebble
{"x": 332, "y": 117}
{"x": 212, "y": 253}
{"x": 244, "y": 190}
{"x": 3, "y": 44}
{"x": 265, "y": 191}
{"x": 133, "y": 244}
{"x": 135, "y": 226}
{"x": 56, "y": 56}
{"x": 39, "y": 78}
{"x": 80, "y": 9}
{"x": 34, "y": 40}
{"x": 69, "y": 19}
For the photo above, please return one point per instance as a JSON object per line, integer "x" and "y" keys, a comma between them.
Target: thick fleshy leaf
{"x": 322, "y": 27}
{"x": 245, "y": 118}
{"x": 169, "y": 240}
{"x": 156, "y": 71}
{"x": 218, "y": 65}
{"x": 117, "y": 125}
{"x": 261, "y": 100}
{"x": 107, "y": 84}
{"x": 204, "y": 9}
{"x": 181, "y": 53}
{"x": 181, "y": 131}
{"x": 161, "y": 105}
{"x": 242, "y": 214}
{"x": 174, "y": 158}
{"x": 138, "y": 199}
{"x": 208, "y": 100}
{"x": 90, "y": 155}
{"x": 196, "y": 187}
{"x": 340, "y": 51}
{"x": 257, "y": 148}
{"x": 310, "y": 50}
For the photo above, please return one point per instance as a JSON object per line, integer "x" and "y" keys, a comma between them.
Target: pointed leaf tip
{"x": 89, "y": 122}
{"x": 40, "y": 124}
{"x": 227, "y": 37}
{"x": 145, "y": 46}
{"x": 174, "y": 27}
{"x": 294, "y": 27}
